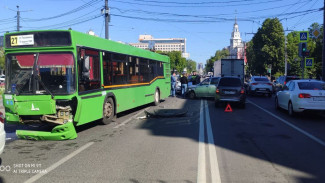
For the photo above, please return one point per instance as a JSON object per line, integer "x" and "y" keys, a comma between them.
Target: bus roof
{"x": 86, "y": 40}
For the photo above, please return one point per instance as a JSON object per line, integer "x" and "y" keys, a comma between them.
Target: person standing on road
{"x": 173, "y": 84}
{"x": 184, "y": 83}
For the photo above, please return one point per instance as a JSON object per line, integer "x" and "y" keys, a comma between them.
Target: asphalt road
{"x": 256, "y": 144}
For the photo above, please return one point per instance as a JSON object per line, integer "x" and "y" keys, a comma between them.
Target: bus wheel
{"x": 157, "y": 98}
{"x": 108, "y": 111}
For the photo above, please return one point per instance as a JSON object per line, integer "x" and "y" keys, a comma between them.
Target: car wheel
{"x": 157, "y": 98}
{"x": 108, "y": 111}
{"x": 290, "y": 109}
{"x": 276, "y": 103}
{"x": 192, "y": 95}
{"x": 269, "y": 95}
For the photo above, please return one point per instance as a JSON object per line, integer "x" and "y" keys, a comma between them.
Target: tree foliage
{"x": 217, "y": 56}
{"x": 177, "y": 62}
{"x": 267, "y": 48}
{"x": 2, "y": 58}
{"x": 190, "y": 65}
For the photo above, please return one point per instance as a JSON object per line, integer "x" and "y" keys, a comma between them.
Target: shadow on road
{"x": 250, "y": 132}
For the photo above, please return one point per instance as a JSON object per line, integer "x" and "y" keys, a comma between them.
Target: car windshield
{"x": 53, "y": 72}
{"x": 311, "y": 86}
{"x": 261, "y": 79}
{"x": 229, "y": 82}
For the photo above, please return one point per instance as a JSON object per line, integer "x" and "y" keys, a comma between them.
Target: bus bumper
{"x": 60, "y": 132}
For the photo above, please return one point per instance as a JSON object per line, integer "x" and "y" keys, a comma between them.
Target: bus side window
{"x": 89, "y": 70}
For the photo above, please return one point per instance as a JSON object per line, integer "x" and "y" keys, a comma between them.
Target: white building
{"x": 237, "y": 47}
{"x": 163, "y": 44}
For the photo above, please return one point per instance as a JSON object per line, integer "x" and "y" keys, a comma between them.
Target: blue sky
{"x": 206, "y": 24}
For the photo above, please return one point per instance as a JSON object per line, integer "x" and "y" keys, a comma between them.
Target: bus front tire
{"x": 108, "y": 111}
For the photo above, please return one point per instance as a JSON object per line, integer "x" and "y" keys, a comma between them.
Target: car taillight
{"x": 217, "y": 91}
{"x": 242, "y": 91}
{"x": 304, "y": 95}
{"x": 285, "y": 83}
{"x": 269, "y": 84}
{"x": 2, "y": 120}
{"x": 254, "y": 83}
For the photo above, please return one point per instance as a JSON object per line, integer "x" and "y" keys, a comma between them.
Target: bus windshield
{"x": 40, "y": 73}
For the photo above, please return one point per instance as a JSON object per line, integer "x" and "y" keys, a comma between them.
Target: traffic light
{"x": 303, "y": 49}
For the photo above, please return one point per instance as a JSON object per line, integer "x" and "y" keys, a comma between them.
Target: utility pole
{"x": 107, "y": 19}
{"x": 18, "y": 16}
{"x": 323, "y": 55}
{"x": 285, "y": 55}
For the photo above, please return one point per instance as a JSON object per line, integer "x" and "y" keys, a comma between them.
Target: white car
{"x": 260, "y": 85}
{"x": 301, "y": 95}
{"x": 2, "y": 133}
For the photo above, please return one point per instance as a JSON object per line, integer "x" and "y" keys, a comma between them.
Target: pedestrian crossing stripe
{"x": 303, "y": 36}
{"x": 309, "y": 62}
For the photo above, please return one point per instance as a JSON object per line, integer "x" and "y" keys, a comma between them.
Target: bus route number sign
{"x": 22, "y": 40}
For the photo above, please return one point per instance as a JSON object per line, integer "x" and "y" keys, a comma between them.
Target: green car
{"x": 207, "y": 88}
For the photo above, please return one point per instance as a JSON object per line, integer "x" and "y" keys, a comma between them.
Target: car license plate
{"x": 262, "y": 89}
{"x": 319, "y": 98}
{"x": 230, "y": 92}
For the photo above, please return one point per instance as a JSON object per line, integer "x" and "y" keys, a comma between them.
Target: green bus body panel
{"x": 60, "y": 132}
{"x": 30, "y": 104}
{"x": 34, "y": 105}
{"x": 90, "y": 105}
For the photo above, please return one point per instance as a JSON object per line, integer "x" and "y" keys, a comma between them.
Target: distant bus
{"x": 67, "y": 78}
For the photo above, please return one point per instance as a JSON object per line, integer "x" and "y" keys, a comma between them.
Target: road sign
{"x": 228, "y": 108}
{"x": 303, "y": 36}
{"x": 309, "y": 62}
{"x": 316, "y": 33}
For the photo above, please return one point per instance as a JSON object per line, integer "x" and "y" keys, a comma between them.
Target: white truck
{"x": 229, "y": 67}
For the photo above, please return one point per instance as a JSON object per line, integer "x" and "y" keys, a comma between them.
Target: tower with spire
{"x": 236, "y": 48}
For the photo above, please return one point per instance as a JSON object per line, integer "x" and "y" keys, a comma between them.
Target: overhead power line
{"x": 198, "y": 16}
{"x": 86, "y": 5}
{"x": 226, "y": 4}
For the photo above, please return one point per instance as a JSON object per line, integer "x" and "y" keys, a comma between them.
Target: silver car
{"x": 260, "y": 85}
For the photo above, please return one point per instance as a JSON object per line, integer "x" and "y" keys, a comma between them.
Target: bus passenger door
{"x": 90, "y": 99}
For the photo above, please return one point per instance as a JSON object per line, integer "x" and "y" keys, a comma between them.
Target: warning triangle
{"x": 303, "y": 36}
{"x": 228, "y": 108}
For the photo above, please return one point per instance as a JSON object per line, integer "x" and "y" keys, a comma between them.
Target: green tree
{"x": 191, "y": 66}
{"x": 268, "y": 48}
{"x": 217, "y": 56}
{"x": 292, "y": 54}
{"x": 177, "y": 62}
{"x": 315, "y": 47}
{"x": 2, "y": 59}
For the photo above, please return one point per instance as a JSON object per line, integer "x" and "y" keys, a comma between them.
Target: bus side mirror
{"x": 85, "y": 64}
{"x": 85, "y": 68}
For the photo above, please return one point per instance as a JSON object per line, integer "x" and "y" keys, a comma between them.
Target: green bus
{"x": 67, "y": 78}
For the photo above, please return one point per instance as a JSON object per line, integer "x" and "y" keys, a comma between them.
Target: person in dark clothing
{"x": 184, "y": 83}
{"x": 173, "y": 84}
{"x": 197, "y": 79}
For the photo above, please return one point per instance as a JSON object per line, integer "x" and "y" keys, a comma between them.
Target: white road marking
{"x": 131, "y": 118}
{"x": 291, "y": 125}
{"x": 55, "y": 165}
{"x": 201, "y": 173}
{"x": 215, "y": 174}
